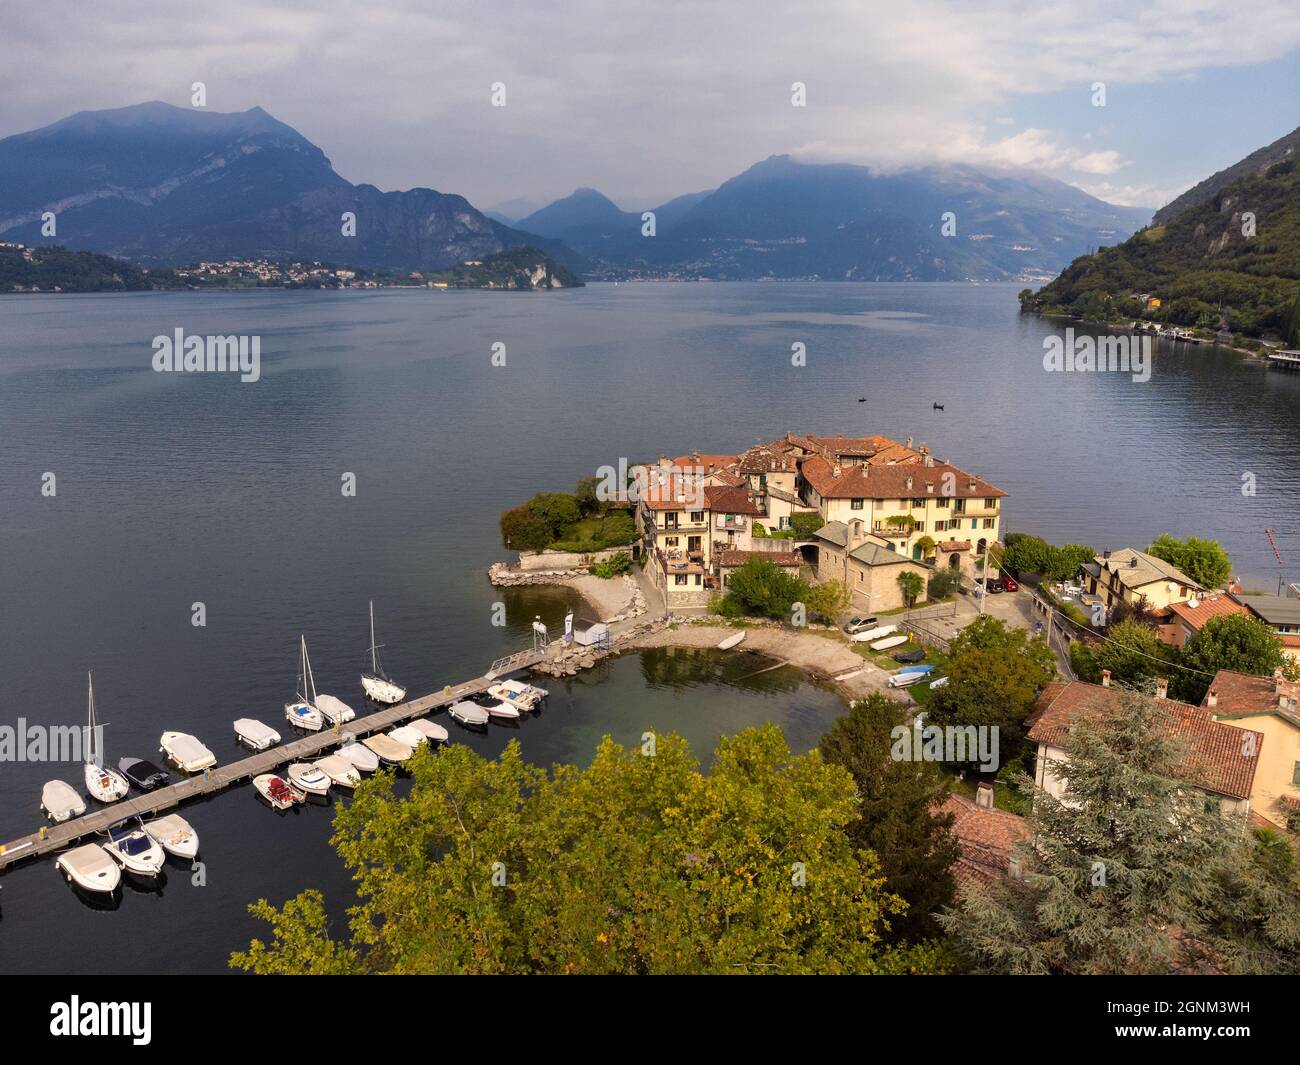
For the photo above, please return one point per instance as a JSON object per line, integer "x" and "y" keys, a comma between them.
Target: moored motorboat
{"x": 518, "y": 690}
{"x": 494, "y": 706}
{"x": 104, "y": 784}
{"x": 389, "y": 750}
{"x": 431, "y": 730}
{"x": 186, "y": 752}
{"x": 277, "y": 791}
{"x": 340, "y": 771}
{"x": 307, "y": 777}
{"x": 468, "y": 713}
{"x": 520, "y": 701}
{"x": 254, "y": 735}
{"x": 143, "y": 774}
{"x": 61, "y": 802}
{"x": 134, "y": 849}
{"x": 175, "y": 835}
{"x": 334, "y": 711}
{"x": 377, "y": 684}
{"x": 360, "y": 756}
{"x": 90, "y": 868}
{"x": 412, "y": 737}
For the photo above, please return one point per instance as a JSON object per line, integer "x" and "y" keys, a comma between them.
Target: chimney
{"x": 1278, "y": 677}
{"x": 909, "y": 484}
{"x": 929, "y": 487}
{"x": 1133, "y": 562}
{"x": 1162, "y": 687}
{"x": 1212, "y": 700}
{"x": 929, "y": 460}
{"x": 970, "y": 485}
{"x": 984, "y": 795}
{"x": 909, "y": 443}
{"x": 1105, "y": 678}
{"x": 835, "y": 470}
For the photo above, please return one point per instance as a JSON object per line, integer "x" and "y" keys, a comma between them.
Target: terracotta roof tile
{"x": 892, "y": 482}
{"x": 1239, "y": 695}
{"x": 987, "y": 837}
{"x": 730, "y": 557}
{"x": 1212, "y": 606}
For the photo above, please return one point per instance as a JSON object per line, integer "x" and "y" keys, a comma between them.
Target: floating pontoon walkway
{"x": 221, "y": 777}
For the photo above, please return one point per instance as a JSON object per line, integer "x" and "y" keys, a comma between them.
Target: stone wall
{"x": 560, "y": 561}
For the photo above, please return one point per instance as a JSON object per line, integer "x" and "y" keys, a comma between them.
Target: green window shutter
{"x": 1295, "y": 776}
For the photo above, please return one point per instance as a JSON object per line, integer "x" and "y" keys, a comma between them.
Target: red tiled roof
{"x": 891, "y": 482}
{"x": 1215, "y": 757}
{"x": 954, "y": 545}
{"x": 1240, "y": 695}
{"x": 671, "y": 491}
{"x": 725, "y": 499}
{"x": 1214, "y": 606}
{"x": 764, "y": 458}
{"x": 734, "y": 557}
{"x": 987, "y": 838}
{"x": 708, "y": 463}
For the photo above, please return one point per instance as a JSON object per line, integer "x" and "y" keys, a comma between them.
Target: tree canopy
{"x": 1203, "y": 560}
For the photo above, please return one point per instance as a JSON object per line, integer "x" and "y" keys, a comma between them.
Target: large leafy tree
{"x": 994, "y": 675}
{"x": 828, "y": 599}
{"x": 1134, "y": 654}
{"x": 912, "y": 584}
{"x": 764, "y": 588}
{"x": 639, "y": 863}
{"x": 1128, "y": 873}
{"x": 1203, "y": 560}
{"x": 898, "y": 816}
{"x": 524, "y": 530}
{"x": 1237, "y": 642}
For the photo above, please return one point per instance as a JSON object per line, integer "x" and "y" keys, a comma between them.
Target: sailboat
{"x": 376, "y": 683}
{"x": 302, "y": 712}
{"x": 104, "y": 784}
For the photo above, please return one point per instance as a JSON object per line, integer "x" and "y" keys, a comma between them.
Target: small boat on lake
{"x": 468, "y": 713}
{"x": 143, "y": 774}
{"x": 175, "y": 835}
{"x": 521, "y": 701}
{"x": 302, "y": 712}
{"x": 308, "y": 778}
{"x": 519, "y": 692}
{"x": 60, "y": 802}
{"x": 360, "y": 756}
{"x": 90, "y": 868}
{"x": 377, "y": 684}
{"x": 431, "y": 730}
{"x": 134, "y": 849}
{"x": 389, "y": 750}
{"x": 494, "y": 706}
{"x": 732, "y": 641}
{"x": 254, "y": 735}
{"x": 412, "y": 737}
{"x": 186, "y": 752}
{"x": 339, "y": 769}
{"x": 277, "y": 791}
{"x": 335, "y": 711}
{"x": 104, "y": 784}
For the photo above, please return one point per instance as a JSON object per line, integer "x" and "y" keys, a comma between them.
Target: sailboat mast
{"x": 90, "y": 716}
{"x": 374, "y": 661}
{"x": 309, "y": 682}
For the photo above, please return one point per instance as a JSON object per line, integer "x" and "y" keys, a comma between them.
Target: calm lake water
{"x": 174, "y": 489}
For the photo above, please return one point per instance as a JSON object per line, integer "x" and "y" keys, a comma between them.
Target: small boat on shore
{"x": 360, "y": 756}
{"x": 186, "y": 752}
{"x": 910, "y": 675}
{"x": 732, "y": 641}
{"x": 888, "y": 642}
{"x": 389, "y": 750}
{"x": 104, "y": 784}
{"x": 939, "y": 683}
{"x": 134, "y": 849}
{"x": 60, "y": 802}
{"x": 277, "y": 791}
{"x": 302, "y": 712}
{"x": 431, "y": 730}
{"x": 335, "y": 711}
{"x": 873, "y": 634}
{"x": 468, "y": 713}
{"x": 143, "y": 774}
{"x": 175, "y": 835}
{"x": 309, "y": 778}
{"x": 254, "y": 735}
{"x": 377, "y": 684}
{"x": 90, "y": 868}
{"x": 340, "y": 771}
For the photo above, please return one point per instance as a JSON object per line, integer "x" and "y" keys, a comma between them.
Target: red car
{"x": 1008, "y": 585}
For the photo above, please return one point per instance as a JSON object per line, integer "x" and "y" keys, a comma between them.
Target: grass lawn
{"x": 587, "y": 534}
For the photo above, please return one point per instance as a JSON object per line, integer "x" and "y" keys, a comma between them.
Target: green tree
{"x": 827, "y": 600}
{"x": 1063, "y": 562}
{"x": 1124, "y": 856}
{"x": 912, "y": 585}
{"x": 899, "y": 817}
{"x": 586, "y": 495}
{"x": 617, "y": 529}
{"x": 1238, "y": 642}
{"x": 1134, "y": 654}
{"x": 765, "y": 589}
{"x": 994, "y": 675}
{"x": 635, "y": 864}
{"x": 1203, "y": 560}
{"x": 558, "y": 509}
{"x": 522, "y": 529}
{"x": 804, "y": 525}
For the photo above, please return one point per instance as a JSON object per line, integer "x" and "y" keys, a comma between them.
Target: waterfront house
{"x": 1218, "y": 760}
{"x": 1186, "y": 618}
{"x": 1281, "y": 614}
{"x": 1142, "y": 581}
{"x": 1269, "y": 706}
{"x": 867, "y": 565}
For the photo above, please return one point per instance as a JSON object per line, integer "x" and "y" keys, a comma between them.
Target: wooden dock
{"x": 221, "y": 777}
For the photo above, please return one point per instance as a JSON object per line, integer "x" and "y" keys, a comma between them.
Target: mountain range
{"x": 157, "y": 184}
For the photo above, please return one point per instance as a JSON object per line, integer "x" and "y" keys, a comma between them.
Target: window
{"x": 860, "y": 575}
{"x": 991, "y": 503}
{"x": 919, "y": 503}
{"x": 698, "y": 515}
{"x": 697, "y": 580}
{"x": 670, "y": 541}
{"x": 942, "y": 501}
{"x": 1295, "y": 776}
{"x": 784, "y": 523}
{"x": 855, "y": 504}
{"x": 988, "y": 523}
{"x": 679, "y": 578}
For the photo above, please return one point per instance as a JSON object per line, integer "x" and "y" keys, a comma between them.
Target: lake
{"x": 176, "y": 489}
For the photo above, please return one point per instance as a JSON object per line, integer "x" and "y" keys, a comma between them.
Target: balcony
{"x": 729, "y": 524}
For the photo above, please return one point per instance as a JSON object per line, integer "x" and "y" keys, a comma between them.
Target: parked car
{"x": 991, "y": 584}
{"x": 908, "y": 657}
{"x": 1010, "y": 585}
{"x": 857, "y": 624}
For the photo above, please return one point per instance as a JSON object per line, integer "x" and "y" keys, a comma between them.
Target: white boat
{"x": 389, "y": 750}
{"x": 939, "y": 683}
{"x": 186, "y": 753}
{"x": 911, "y": 675}
{"x": 341, "y": 771}
{"x": 377, "y": 684}
{"x": 412, "y": 737}
{"x": 732, "y": 641}
{"x": 888, "y": 642}
{"x": 494, "y": 706}
{"x": 302, "y": 712}
{"x": 519, "y": 690}
{"x": 134, "y": 849}
{"x": 104, "y": 784}
{"x": 60, "y": 802}
{"x": 333, "y": 710}
{"x": 520, "y": 701}
{"x": 873, "y": 634}
{"x": 467, "y": 713}
{"x": 175, "y": 835}
{"x": 254, "y": 735}
{"x": 90, "y": 868}
{"x": 277, "y": 791}
{"x": 307, "y": 777}
{"x": 360, "y": 756}
{"x": 431, "y": 730}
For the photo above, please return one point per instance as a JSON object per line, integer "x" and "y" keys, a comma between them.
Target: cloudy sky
{"x": 648, "y": 101}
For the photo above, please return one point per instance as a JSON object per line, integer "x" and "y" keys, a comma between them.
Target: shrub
{"x": 522, "y": 529}
{"x": 613, "y": 566}
{"x": 804, "y": 525}
{"x": 763, "y": 588}
{"x": 942, "y": 584}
